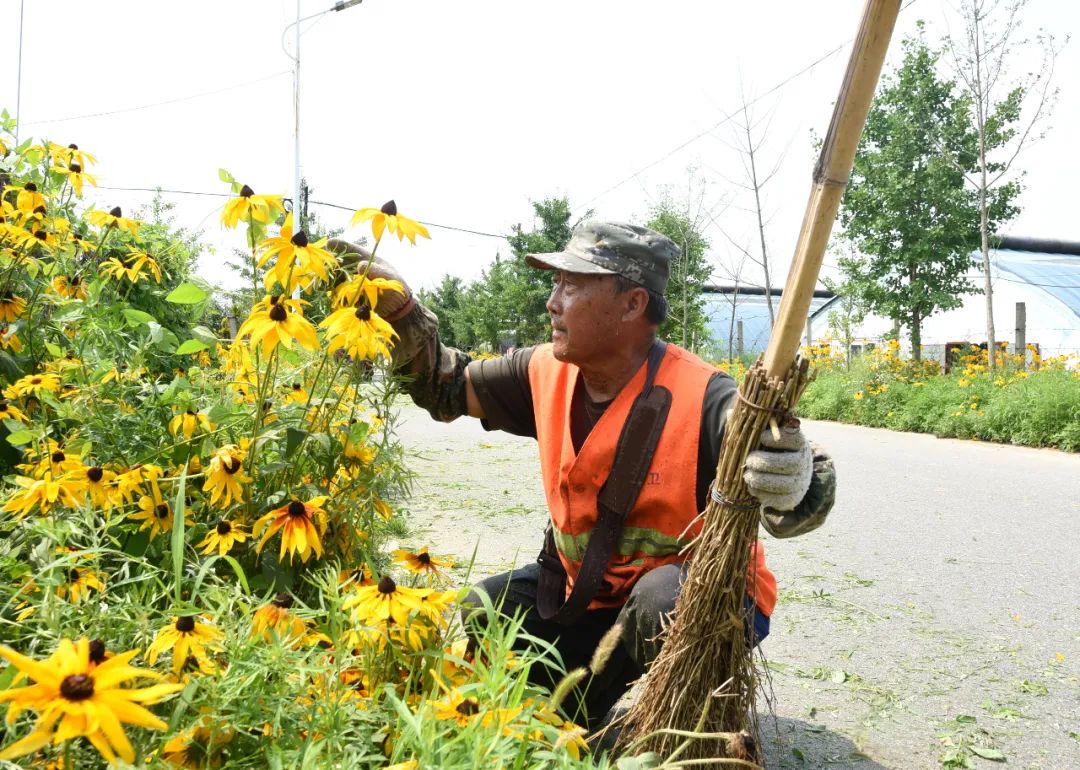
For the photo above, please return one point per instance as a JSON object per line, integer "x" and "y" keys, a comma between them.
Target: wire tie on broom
{"x": 773, "y": 410}
{"x": 738, "y": 505}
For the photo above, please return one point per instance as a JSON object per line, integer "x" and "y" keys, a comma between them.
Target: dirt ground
{"x": 934, "y": 621}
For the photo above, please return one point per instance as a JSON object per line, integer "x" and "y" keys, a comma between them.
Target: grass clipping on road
{"x": 700, "y": 690}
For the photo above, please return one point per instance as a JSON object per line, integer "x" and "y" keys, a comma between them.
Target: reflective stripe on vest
{"x": 664, "y": 519}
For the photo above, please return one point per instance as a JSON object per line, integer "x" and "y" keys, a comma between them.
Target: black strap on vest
{"x": 633, "y": 456}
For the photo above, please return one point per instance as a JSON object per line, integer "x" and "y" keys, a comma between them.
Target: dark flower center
{"x": 73, "y": 576}
{"x": 116, "y": 212}
{"x": 468, "y": 707}
{"x": 58, "y": 457}
{"x": 8, "y": 296}
{"x": 389, "y": 208}
{"x": 246, "y": 192}
{"x": 423, "y": 558}
{"x": 190, "y": 412}
{"x": 297, "y": 386}
{"x": 277, "y": 313}
{"x": 224, "y": 527}
{"x": 75, "y": 167}
{"x": 75, "y": 280}
{"x": 284, "y": 601}
{"x": 35, "y": 380}
{"x": 30, "y": 187}
{"x": 73, "y": 146}
{"x": 3, "y": 405}
{"x": 363, "y": 312}
{"x": 97, "y": 651}
{"x": 77, "y": 687}
{"x": 39, "y": 210}
{"x": 358, "y": 574}
{"x": 162, "y": 511}
{"x": 387, "y": 585}
{"x": 299, "y": 239}
{"x": 186, "y": 624}
{"x": 231, "y": 465}
{"x": 95, "y": 474}
{"x": 41, "y": 235}
{"x": 296, "y": 509}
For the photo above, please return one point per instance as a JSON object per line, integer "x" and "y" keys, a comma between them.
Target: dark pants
{"x": 642, "y": 617}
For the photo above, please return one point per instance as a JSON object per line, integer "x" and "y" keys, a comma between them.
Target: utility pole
{"x": 1020, "y": 348}
{"x": 18, "y": 77}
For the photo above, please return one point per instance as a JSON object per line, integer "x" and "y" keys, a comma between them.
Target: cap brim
{"x": 561, "y": 260}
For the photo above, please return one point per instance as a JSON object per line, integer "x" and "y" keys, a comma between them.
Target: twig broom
{"x": 704, "y": 679}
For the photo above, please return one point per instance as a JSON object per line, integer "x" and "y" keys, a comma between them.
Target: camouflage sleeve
{"x": 434, "y": 374}
{"x": 809, "y": 514}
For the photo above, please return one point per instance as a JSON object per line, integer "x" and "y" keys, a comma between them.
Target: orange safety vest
{"x": 665, "y": 517}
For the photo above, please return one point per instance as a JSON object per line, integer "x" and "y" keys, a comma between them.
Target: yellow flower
{"x": 129, "y": 483}
{"x": 224, "y": 477}
{"x": 359, "y": 331}
{"x": 186, "y": 637}
{"x": 301, "y": 525}
{"x": 360, "y": 287}
{"x": 387, "y": 218}
{"x": 113, "y": 218}
{"x": 858, "y": 396}
{"x": 79, "y": 582}
{"x": 261, "y": 208}
{"x": 188, "y": 422}
{"x": 75, "y": 174}
{"x": 156, "y": 514}
{"x": 421, "y": 562}
{"x": 223, "y": 537}
{"x": 74, "y": 697}
{"x": 99, "y": 486}
{"x": 45, "y": 493}
{"x": 383, "y": 601}
{"x": 10, "y": 340}
{"x": 9, "y": 412}
{"x": 71, "y": 288}
{"x": 131, "y": 266}
{"x": 11, "y": 307}
{"x": 296, "y": 260}
{"x": 277, "y": 320}
{"x": 70, "y": 154}
{"x": 29, "y": 199}
{"x": 33, "y": 384}
{"x": 275, "y": 618}
{"x": 457, "y": 708}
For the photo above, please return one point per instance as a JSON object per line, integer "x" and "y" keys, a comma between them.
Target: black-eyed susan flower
{"x": 383, "y": 601}
{"x": 277, "y": 320}
{"x": 224, "y": 476}
{"x": 129, "y": 483}
{"x": 248, "y": 205}
{"x": 297, "y": 394}
{"x": 78, "y": 582}
{"x": 45, "y": 493}
{"x": 185, "y": 636}
{"x": 388, "y": 218}
{"x": 301, "y": 524}
{"x": 29, "y": 199}
{"x": 74, "y": 697}
{"x": 275, "y": 618}
{"x": 187, "y": 422}
{"x": 456, "y": 707}
{"x": 421, "y": 562}
{"x": 131, "y": 266}
{"x": 155, "y": 513}
{"x": 354, "y": 578}
{"x": 11, "y": 307}
{"x": 99, "y": 486}
{"x": 76, "y": 176}
{"x": 297, "y": 260}
{"x": 199, "y": 745}
{"x": 9, "y": 340}
{"x": 33, "y": 385}
{"x": 359, "y": 331}
{"x": 114, "y": 217}
{"x": 58, "y": 153}
{"x": 68, "y": 287}
{"x": 361, "y": 287}
{"x": 8, "y": 411}
{"x": 222, "y": 537}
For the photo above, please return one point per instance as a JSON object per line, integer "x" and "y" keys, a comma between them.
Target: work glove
{"x": 778, "y": 473}
{"x": 353, "y": 258}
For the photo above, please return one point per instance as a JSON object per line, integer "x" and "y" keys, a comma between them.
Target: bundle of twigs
{"x": 699, "y": 693}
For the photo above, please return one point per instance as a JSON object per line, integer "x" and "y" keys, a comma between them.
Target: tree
{"x": 681, "y": 222}
{"x": 907, "y": 208}
{"x": 981, "y": 59}
{"x": 849, "y": 313}
{"x": 447, "y": 301}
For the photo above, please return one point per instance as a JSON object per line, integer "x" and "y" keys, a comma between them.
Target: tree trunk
{"x": 988, "y": 285}
{"x": 981, "y": 107}
{"x": 760, "y": 224}
{"x": 916, "y": 336}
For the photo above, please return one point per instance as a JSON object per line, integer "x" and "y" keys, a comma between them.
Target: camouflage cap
{"x": 614, "y": 248}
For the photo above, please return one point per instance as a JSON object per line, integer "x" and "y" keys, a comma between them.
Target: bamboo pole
{"x": 704, "y": 682}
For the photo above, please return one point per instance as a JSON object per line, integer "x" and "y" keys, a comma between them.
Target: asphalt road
{"x": 934, "y": 620}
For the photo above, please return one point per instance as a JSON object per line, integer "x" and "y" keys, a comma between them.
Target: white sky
{"x": 465, "y": 111}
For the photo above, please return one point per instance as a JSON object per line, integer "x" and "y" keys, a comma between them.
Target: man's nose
{"x": 554, "y": 301}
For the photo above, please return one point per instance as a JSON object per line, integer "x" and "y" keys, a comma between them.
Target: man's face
{"x": 586, "y": 312}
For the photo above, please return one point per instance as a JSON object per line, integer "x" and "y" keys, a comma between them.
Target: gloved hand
{"x": 353, "y": 258}
{"x": 778, "y": 473}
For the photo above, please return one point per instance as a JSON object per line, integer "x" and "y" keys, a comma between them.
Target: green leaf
{"x": 54, "y": 350}
{"x": 987, "y": 753}
{"x": 838, "y": 676}
{"x": 186, "y": 293}
{"x": 204, "y": 334}
{"x": 239, "y": 572}
{"x": 20, "y": 437}
{"x": 293, "y": 438}
{"x": 179, "y": 508}
{"x": 225, "y": 176}
{"x": 138, "y": 317}
{"x": 191, "y": 346}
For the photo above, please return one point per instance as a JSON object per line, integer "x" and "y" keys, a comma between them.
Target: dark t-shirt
{"x": 505, "y": 394}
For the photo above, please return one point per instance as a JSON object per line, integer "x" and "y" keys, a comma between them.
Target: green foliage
{"x": 907, "y": 208}
{"x": 686, "y": 323}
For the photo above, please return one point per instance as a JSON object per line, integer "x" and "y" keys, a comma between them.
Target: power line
{"x": 314, "y": 203}
{"x": 729, "y": 116}
{"x": 157, "y": 104}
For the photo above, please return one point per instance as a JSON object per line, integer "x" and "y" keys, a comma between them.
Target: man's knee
{"x": 646, "y": 611}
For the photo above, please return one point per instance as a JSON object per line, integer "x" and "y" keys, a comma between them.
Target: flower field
{"x": 194, "y": 569}
{"x": 1034, "y": 406}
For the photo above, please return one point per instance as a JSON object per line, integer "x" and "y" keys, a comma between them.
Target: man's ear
{"x": 637, "y": 300}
